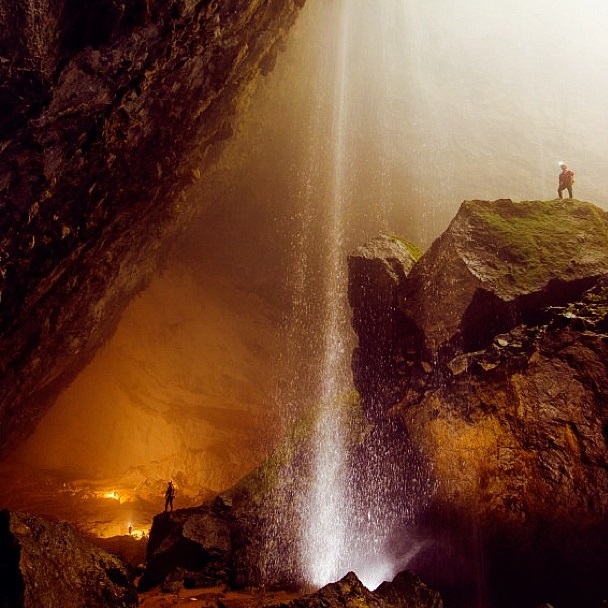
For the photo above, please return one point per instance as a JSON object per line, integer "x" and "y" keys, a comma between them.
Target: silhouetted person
{"x": 169, "y": 496}
{"x": 566, "y": 179}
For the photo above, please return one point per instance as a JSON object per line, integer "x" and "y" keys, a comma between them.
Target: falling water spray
{"x": 332, "y": 506}
{"x": 324, "y": 534}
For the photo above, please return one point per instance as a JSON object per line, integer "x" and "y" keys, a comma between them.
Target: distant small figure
{"x": 130, "y": 529}
{"x": 566, "y": 179}
{"x": 169, "y": 495}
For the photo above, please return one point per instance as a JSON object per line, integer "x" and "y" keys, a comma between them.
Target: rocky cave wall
{"x": 110, "y": 112}
{"x": 491, "y": 348}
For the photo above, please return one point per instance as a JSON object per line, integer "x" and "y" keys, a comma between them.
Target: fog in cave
{"x": 419, "y": 105}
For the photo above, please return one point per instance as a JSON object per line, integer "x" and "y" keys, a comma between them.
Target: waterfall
{"x": 346, "y": 515}
{"x": 384, "y": 116}
{"x": 331, "y": 512}
{"x": 326, "y": 527}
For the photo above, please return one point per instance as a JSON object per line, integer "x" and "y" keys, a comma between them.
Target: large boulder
{"x": 49, "y": 564}
{"x": 504, "y": 401}
{"x": 498, "y": 264}
{"x": 516, "y": 440}
{"x": 377, "y": 271}
{"x": 190, "y": 547}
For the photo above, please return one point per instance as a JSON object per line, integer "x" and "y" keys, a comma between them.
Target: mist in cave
{"x": 379, "y": 117}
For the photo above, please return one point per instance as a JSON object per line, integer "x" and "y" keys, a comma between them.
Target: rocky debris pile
{"x": 49, "y": 564}
{"x": 405, "y": 591}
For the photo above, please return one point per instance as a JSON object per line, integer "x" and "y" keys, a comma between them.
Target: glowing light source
{"x": 138, "y": 533}
{"x": 113, "y": 495}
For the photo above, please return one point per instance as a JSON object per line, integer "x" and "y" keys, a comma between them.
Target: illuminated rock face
{"x": 180, "y": 391}
{"x": 113, "y": 112}
{"x": 511, "y": 418}
{"x": 48, "y": 564}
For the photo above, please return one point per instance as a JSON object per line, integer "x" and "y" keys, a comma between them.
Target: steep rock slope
{"x": 48, "y": 564}
{"x": 110, "y": 112}
{"x": 505, "y": 397}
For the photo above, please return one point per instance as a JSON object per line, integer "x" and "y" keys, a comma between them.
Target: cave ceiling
{"x": 111, "y": 113}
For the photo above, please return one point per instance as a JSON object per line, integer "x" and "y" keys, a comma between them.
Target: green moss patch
{"x": 538, "y": 239}
{"x": 413, "y": 250}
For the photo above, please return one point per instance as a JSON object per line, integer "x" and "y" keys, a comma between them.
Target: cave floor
{"x": 96, "y": 507}
{"x": 213, "y": 597}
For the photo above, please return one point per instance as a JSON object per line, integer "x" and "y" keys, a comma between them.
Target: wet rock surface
{"x": 509, "y": 413}
{"x": 49, "y": 564}
{"x": 405, "y": 591}
{"x": 498, "y": 264}
{"x": 246, "y": 537}
{"x": 111, "y": 112}
{"x": 376, "y": 271}
{"x": 191, "y": 548}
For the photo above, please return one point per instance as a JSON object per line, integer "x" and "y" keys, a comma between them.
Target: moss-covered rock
{"x": 497, "y": 264}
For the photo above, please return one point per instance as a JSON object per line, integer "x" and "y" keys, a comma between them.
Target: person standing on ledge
{"x": 566, "y": 179}
{"x": 169, "y": 496}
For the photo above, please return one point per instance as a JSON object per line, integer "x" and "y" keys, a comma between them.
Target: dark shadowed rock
{"x": 190, "y": 547}
{"x": 498, "y": 264}
{"x": 112, "y": 111}
{"x": 405, "y": 591}
{"x": 376, "y": 271}
{"x": 348, "y": 592}
{"x": 49, "y": 564}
